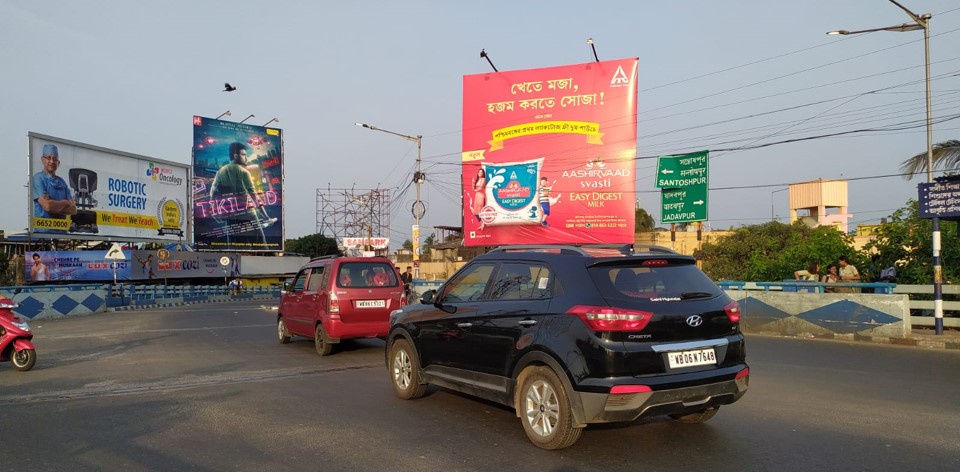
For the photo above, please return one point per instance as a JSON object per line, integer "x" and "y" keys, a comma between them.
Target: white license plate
{"x": 371, "y": 303}
{"x": 692, "y": 358}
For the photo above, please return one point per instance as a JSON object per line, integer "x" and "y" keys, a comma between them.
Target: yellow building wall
{"x": 685, "y": 243}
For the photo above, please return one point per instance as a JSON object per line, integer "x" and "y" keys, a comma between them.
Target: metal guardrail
{"x": 951, "y": 309}
{"x": 806, "y": 286}
{"x": 124, "y": 294}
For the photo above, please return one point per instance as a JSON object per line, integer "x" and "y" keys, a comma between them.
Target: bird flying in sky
{"x": 228, "y": 88}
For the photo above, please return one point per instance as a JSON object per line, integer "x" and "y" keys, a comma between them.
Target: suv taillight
{"x": 606, "y": 318}
{"x": 733, "y": 311}
{"x": 334, "y": 307}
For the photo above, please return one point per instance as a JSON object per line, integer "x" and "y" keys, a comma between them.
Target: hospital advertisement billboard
{"x": 237, "y": 186}
{"x": 549, "y": 155}
{"x": 81, "y": 191}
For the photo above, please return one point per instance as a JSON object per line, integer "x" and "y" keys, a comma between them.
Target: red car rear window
{"x": 366, "y": 274}
{"x": 653, "y": 281}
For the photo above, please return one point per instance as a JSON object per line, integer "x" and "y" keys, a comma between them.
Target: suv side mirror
{"x": 427, "y": 297}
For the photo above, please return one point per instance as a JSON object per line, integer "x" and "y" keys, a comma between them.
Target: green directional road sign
{"x": 683, "y": 205}
{"x": 683, "y": 180}
{"x": 683, "y": 171}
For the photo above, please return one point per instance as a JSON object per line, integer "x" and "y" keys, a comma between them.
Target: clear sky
{"x": 129, "y": 75}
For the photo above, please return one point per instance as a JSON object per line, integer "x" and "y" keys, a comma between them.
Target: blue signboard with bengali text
{"x": 940, "y": 199}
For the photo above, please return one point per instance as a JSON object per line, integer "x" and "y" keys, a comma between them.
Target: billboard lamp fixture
{"x": 247, "y": 118}
{"x": 483, "y": 54}
{"x": 590, "y": 42}
{"x": 226, "y": 113}
{"x": 271, "y": 121}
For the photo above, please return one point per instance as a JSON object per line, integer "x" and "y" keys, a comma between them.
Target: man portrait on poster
{"x": 50, "y": 193}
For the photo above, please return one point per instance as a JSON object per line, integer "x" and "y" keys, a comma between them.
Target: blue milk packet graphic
{"x": 511, "y": 193}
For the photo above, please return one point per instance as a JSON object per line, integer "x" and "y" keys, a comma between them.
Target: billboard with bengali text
{"x": 80, "y": 191}
{"x": 237, "y": 186}
{"x": 549, "y": 155}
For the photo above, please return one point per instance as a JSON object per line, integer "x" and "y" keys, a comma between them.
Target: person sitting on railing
{"x": 848, "y": 273}
{"x": 831, "y": 277}
{"x": 888, "y": 275}
{"x": 812, "y": 273}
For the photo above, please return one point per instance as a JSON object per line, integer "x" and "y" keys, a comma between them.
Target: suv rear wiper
{"x": 689, "y": 295}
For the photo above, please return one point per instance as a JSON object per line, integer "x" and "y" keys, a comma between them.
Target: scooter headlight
{"x": 22, "y": 325}
{"x": 8, "y": 305}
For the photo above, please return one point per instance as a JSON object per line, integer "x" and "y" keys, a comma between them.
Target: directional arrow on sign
{"x": 666, "y": 171}
{"x": 115, "y": 252}
{"x": 683, "y": 205}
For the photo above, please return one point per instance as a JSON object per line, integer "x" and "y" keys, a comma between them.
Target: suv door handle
{"x": 527, "y": 322}
{"x": 464, "y": 325}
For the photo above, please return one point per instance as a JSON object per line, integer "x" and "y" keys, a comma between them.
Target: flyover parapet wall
{"x": 47, "y": 301}
{"x": 819, "y": 314}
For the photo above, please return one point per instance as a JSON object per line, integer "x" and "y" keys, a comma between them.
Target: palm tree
{"x": 946, "y": 156}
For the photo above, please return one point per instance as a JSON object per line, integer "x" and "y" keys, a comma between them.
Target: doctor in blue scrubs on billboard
{"x": 51, "y": 195}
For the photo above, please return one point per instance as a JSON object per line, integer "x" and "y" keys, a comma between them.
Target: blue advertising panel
{"x": 137, "y": 265}
{"x": 89, "y": 266}
{"x": 237, "y": 186}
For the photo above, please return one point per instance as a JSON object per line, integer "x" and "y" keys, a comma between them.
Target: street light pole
{"x": 772, "y": 216}
{"x": 418, "y": 178}
{"x": 923, "y": 22}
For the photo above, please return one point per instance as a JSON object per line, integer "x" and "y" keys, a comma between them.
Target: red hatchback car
{"x": 334, "y": 298}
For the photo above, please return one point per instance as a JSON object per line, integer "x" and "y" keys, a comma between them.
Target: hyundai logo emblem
{"x": 695, "y": 321}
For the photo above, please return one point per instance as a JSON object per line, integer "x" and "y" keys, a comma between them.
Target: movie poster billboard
{"x": 237, "y": 186}
{"x": 80, "y": 191}
{"x": 136, "y": 266}
{"x": 549, "y": 155}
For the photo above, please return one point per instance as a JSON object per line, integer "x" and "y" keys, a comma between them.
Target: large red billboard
{"x": 549, "y": 155}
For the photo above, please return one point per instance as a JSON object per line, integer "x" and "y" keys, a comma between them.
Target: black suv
{"x": 570, "y": 336}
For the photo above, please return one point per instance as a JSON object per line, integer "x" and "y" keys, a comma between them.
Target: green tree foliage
{"x": 946, "y": 156}
{"x": 408, "y": 245}
{"x": 773, "y": 251}
{"x": 313, "y": 245}
{"x": 427, "y": 243}
{"x": 906, "y": 242}
{"x": 643, "y": 221}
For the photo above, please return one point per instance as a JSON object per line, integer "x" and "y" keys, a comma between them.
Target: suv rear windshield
{"x": 668, "y": 281}
{"x": 366, "y": 274}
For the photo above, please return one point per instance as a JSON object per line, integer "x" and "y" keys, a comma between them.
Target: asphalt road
{"x": 207, "y": 387}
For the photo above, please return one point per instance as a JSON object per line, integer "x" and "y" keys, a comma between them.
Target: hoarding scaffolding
{"x": 353, "y": 213}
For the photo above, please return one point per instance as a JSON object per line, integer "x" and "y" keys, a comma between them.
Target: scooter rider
{"x": 407, "y": 279}
{"x": 15, "y": 337}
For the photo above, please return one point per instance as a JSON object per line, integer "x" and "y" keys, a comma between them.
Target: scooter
{"x": 15, "y": 337}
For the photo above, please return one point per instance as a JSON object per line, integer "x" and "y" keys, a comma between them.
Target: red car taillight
{"x": 334, "y": 307}
{"x": 625, "y": 389}
{"x": 733, "y": 311}
{"x": 605, "y": 318}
